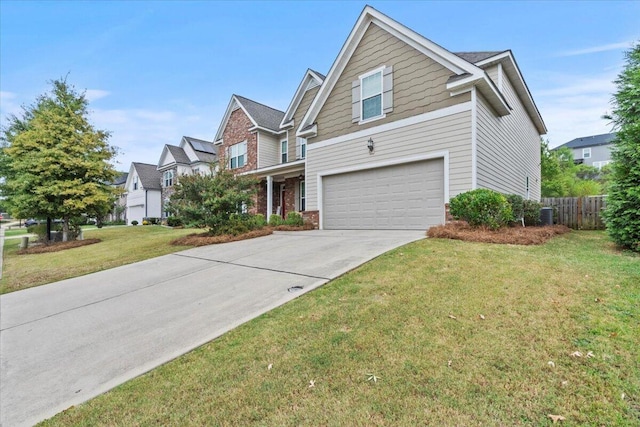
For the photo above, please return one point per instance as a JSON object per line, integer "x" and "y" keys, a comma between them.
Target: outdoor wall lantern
{"x": 370, "y": 145}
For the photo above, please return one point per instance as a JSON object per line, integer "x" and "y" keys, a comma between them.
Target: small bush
{"x": 527, "y": 209}
{"x": 482, "y": 207}
{"x": 237, "y": 224}
{"x": 275, "y": 220}
{"x": 134, "y": 222}
{"x": 145, "y": 222}
{"x": 294, "y": 219}
{"x": 531, "y": 212}
{"x": 174, "y": 221}
{"x": 257, "y": 221}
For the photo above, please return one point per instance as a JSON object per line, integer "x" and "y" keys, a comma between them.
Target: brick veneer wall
{"x": 237, "y": 130}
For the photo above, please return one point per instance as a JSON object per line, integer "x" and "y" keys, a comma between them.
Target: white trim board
{"x": 420, "y": 118}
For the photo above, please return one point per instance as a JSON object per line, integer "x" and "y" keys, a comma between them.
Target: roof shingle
{"x": 590, "y": 141}
{"x": 150, "y": 177}
{"x": 263, "y": 115}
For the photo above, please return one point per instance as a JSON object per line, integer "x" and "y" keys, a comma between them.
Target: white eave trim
{"x": 309, "y": 133}
{"x": 309, "y": 75}
{"x": 280, "y": 167}
{"x": 271, "y": 131}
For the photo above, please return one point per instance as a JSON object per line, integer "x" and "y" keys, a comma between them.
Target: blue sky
{"x": 154, "y": 71}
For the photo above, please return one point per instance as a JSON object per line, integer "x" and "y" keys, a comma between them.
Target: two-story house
{"x": 397, "y": 127}
{"x": 143, "y": 192}
{"x": 191, "y": 156}
{"x": 594, "y": 150}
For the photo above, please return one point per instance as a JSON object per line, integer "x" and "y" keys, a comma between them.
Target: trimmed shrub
{"x": 294, "y": 219}
{"x": 174, "y": 221}
{"x": 527, "y": 209}
{"x": 275, "y": 220}
{"x": 134, "y": 222}
{"x": 481, "y": 207}
{"x": 236, "y": 225}
{"x": 257, "y": 221}
{"x": 531, "y": 212}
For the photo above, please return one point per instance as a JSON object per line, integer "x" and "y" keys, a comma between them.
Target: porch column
{"x": 269, "y": 196}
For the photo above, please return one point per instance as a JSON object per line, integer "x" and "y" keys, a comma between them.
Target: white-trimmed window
{"x": 167, "y": 178}
{"x": 196, "y": 171}
{"x": 586, "y": 153}
{"x": 135, "y": 182}
{"x": 284, "y": 150}
{"x": 302, "y": 202}
{"x": 371, "y": 95}
{"x": 238, "y": 155}
{"x": 301, "y": 148}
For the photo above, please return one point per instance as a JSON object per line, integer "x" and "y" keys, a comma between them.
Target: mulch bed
{"x": 58, "y": 246}
{"x": 203, "y": 239}
{"x": 460, "y": 230}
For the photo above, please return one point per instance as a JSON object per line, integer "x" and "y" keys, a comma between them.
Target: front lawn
{"x": 438, "y": 332}
{"x": 119, "y": 246}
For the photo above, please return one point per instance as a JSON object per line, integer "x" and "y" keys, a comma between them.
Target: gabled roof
{"x": 205, "y": 151}
{"x": 261, "y": 116}
{"x": 457, "y": 65}
{"x": 310, "y": 76}
{"x": 178, "y": 154}
{"x": 120, "y": 179}
{"x": 590, "y": 141}
{"x": 150, "y": 177}
{"x": 475, "y": 57}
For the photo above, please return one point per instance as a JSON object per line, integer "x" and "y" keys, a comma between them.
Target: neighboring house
{"x": 191, "y": 156}
{"x": 397, "y": 127}
{"x": 118, "y": 213}
{"x": 592, "y": 150}
{"x": 143, "y": 192}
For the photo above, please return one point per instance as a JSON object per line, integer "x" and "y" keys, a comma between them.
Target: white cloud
{"x": 93, "y": 94}
{"x": 573, "y": 106}
{"x": 141, "y": 134}
{"x": 596, "y": 49}
{"x": 9, "y": 104}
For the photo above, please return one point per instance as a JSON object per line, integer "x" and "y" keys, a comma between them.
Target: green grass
{"x": 391, "y": 318}
{"x": 15, "y": 232}
{"x": 119, "y": 246}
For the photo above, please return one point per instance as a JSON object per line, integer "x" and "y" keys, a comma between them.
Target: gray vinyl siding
{"x": 418, "y": 84}
{"x": 451, "y": 133}
{"x": 508, "y": 148}
{"x": 268, "y": 149}
{"x": 599, "y": 153}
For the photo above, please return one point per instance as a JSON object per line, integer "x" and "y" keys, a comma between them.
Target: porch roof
{"x": 280, "y": 171}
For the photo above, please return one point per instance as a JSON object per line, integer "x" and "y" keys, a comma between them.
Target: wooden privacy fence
{"x": 579, "y": 213}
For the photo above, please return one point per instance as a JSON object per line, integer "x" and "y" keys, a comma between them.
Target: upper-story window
{"x": 302, "y": 203}
{"x": 301, "y": 148}
{"x": 284, "y": 148}
{"x": 586, "y": 153}
{"x": 167, "y": 178}
{"x": 135, "y": 182}
{"x": 371, "y": 95}
{"x": 238, "y": 155}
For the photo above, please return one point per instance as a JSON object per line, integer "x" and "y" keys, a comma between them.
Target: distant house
{"x": 119, "y": 211}
{"x": 192, "y": 156}
{"x": 594, "y": 150}
{"x": 143, "y": 192}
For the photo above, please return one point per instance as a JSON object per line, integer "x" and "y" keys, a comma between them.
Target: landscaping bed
{"x": 57, "y": 246}
{"x": 203, "y": 239}
{"x": 460, "y": 230}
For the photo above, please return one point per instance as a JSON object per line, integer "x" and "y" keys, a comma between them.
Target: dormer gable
{"x": 311, "y": 80}
{"x": 262, "y": 116}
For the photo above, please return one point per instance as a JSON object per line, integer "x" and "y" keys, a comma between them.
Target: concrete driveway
{"x": 68, "y": 341}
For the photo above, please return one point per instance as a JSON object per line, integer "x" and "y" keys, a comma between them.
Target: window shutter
{"x": 387, "y": 89}
{"x": 355, "y": 101}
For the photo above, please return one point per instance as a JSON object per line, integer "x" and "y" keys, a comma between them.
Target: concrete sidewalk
{"x": 66, "y": 342}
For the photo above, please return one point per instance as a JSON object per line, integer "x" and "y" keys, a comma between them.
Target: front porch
{"x": 282, "y": 189}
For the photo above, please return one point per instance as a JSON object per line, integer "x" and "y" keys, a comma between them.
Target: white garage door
{"x": 406, "y": 196}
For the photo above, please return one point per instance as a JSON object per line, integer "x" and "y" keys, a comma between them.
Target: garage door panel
{"x": 406, "y": 196}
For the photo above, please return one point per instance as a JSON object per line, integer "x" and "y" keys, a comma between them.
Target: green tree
{"x": 55, "y": 163}
{"x": 622, "y": 214}
{"x": 561, "y": 177}
{"x": 212, "y": 201}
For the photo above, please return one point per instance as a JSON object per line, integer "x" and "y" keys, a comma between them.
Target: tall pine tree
{"x": 622, "y": 214}
{"x": 55, "y": 164}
